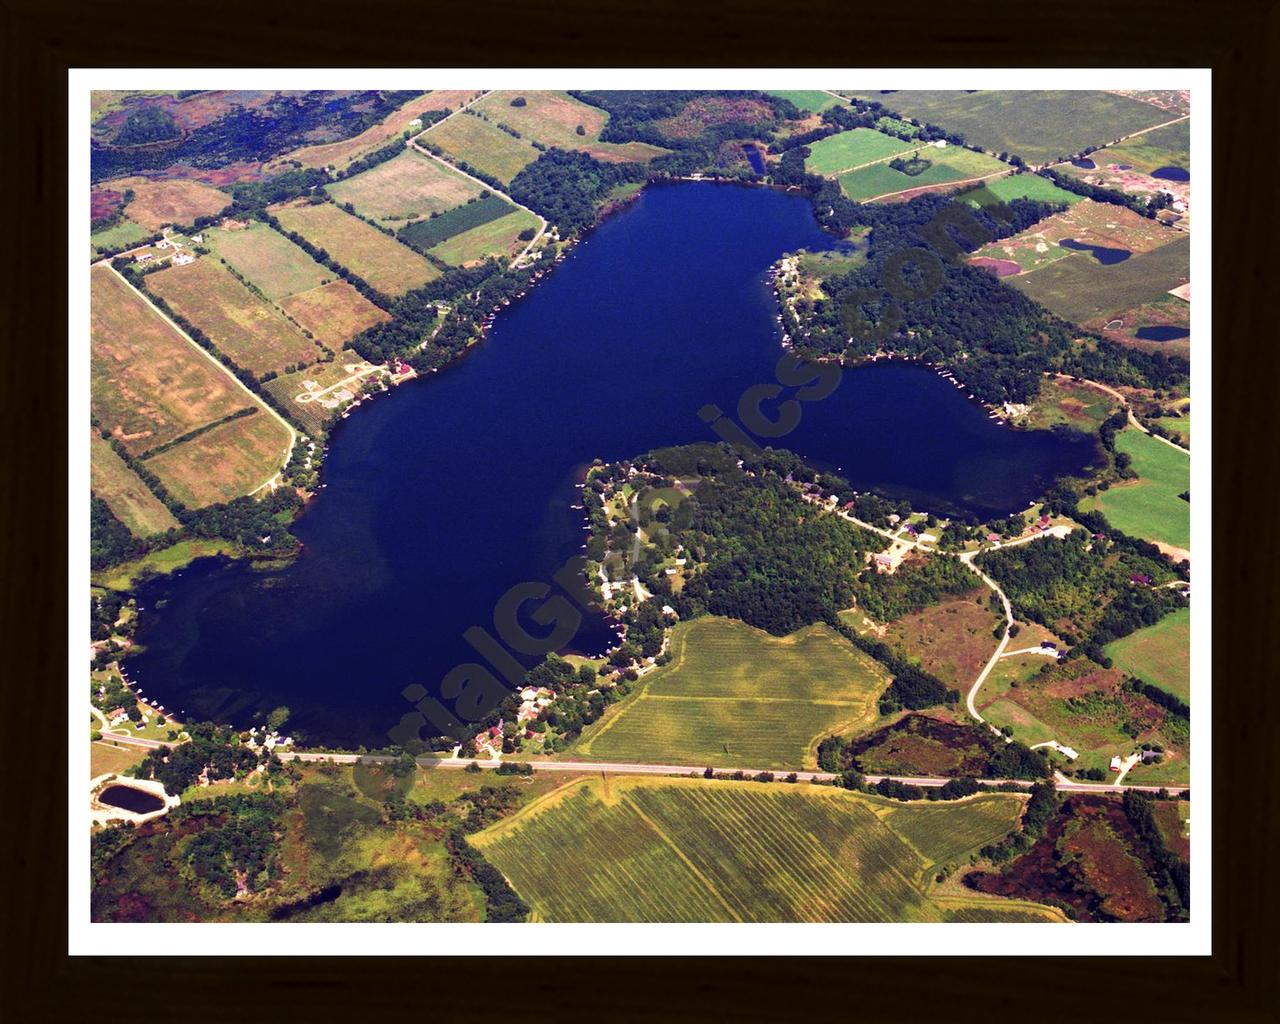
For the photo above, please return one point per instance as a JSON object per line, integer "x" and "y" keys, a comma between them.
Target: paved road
{"x": 627, "y": 768}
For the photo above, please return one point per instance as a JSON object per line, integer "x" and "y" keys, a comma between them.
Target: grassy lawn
{"x": 853, "y": 148}
{"x": 106, "y": 757}
{"x": 254, "y": 335}
{"x": 124, "y": 232}
{"x": 404, "y": 188}
{"x": 812, "y": 100}
{"x": 149, "y": 384}
{"x": 1029, "y": 186}
{"x": 1159, "y": 654}
{"x": 272, "y": 263}
{"x": 632, "y": 849}
{"x": 495, "y": 238}
{"x": 166, "y": 560}
{"x": 1041, "y": 126}
{"x": 733, "y": 695}
{"x": 364, "y": 250}
{"x": 121, "y": 488}
{"x": 547, "y": 116}
{"x": 1149, "y": 507}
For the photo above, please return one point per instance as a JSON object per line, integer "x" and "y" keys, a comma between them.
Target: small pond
{"x": 1087, "y": 165}
{"x": 130, "y": 798}
{"x": 1172, "y": 173}
{"x": 1162, "y": 332}
{"x": 1101, "y": 253}
{"x": 755, "y": 158}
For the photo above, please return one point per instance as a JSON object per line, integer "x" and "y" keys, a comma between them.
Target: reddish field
{"x": 1089, "y": 858}
{"x": 700, "y": 114}
{"x": 149, "y": 384}
{"x": 171, "y": 201}
{"x": 921, "y": 745}
{"x": 1001, "y": 268}
{"x": 952, "y": 639}
{"x": 335, "y": 313}
{"x": 103, "y": 203}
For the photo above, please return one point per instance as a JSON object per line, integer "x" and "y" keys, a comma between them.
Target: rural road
{"x": 626, "y": 768}
{"x": 1133, "y": 420}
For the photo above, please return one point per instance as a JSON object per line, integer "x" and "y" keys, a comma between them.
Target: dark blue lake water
{"x": 1103, "y": 254}
{"x": 443, "y": 495}
{"x": 1172, "y": 173}
{"x": 1162, "y": 333}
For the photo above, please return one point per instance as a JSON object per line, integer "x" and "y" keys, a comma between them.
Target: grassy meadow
{"x": 1149, "y": 507}
{"x": 837, "y": 153}
{"x": 1159, "y": 655}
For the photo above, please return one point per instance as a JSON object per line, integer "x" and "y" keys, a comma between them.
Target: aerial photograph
{"x": 637, "y": 506}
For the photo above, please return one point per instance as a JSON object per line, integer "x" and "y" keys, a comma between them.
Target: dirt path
{"x": 1133, "y": 420}
{"x": 938, "y": 185}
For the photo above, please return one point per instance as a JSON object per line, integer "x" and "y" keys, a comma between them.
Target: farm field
{"x": 1149, "y": 507}
{"x": 733, "y": 695}
{"x": 340, "y": 155}
{"x": 383, "y": 262}
{"x": 270, "y": 262}
{"x": 1159, "y": 655}
{"x": 175, "y": 201}
{"x": 122, "y": 489}
{"x": 1087, "y": 222}
{"x": 814, "y": 100}
{"x": 1028, "y": 186}
{"x": 1041, "y": 126}
{"x": 547, "y": 116}
{"x": 404, "y": 188}
{"x": 149, "y": 384}
{"x": 232, "y": 459}
{"x": 952, "y": 164}
{"x": 495, "y": 238}
{"x": 252, "y": 334}
{"x": 434, "y": 230}
{"x": 1180, "y": 425}
{"x": 107, "y": 758}
{"x": 853, "y": 148}
{"x": 630, "y": 849}
{"x": 1086, "y": 292}
{"x": 334, "y": 313}
{"x": 482, "y": 145}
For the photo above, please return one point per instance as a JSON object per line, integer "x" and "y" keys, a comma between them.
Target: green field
{"x": 434, "y": 230}
{"x": 1026, "y": 186}
{"x": 272, "y": 263}
{"x": 1041, "y": 126}
{"x": 123, "y": 233}
{"x": 226, "y": 462}
{"x": 853, "y": 148}
{"x": 812, "y": 100}
{"x": 1159, "y": 654}
{"x": 483, "y": 145}
{"x": 547, "y": 116}
{"x": 950, "y": 164}
{"x": 1082, "y": 290}
{"x": 403, "y": 188}
{"x": 631, "y": 849}
{"x": 1169, "y": 146}
{"x": 1149, "y": 507}
{"x": 123, "y": 490}
{"x": 733, "y": 695}
{"x": 495, "y": 238}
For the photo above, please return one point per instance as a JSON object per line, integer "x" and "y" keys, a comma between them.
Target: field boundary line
{"x": 940, "y": 184}
{"x": 693, "y": 868}
{"x": 257, "y": 400}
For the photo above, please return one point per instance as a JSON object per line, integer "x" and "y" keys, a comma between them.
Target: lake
{"x": 441, "y": 496}
{"x": 130, "y": 798}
